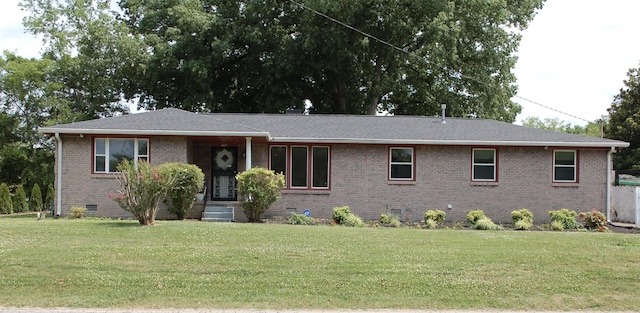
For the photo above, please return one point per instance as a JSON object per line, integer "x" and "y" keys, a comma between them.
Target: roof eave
{"x": 140, "y": 132}
{"x": 616, "y": 144}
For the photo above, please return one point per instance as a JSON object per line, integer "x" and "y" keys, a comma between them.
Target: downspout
{"x": 609, "y": 169}
{"x": 59, "y": 175}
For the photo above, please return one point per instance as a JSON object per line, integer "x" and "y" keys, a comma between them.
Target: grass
{"x": 182, "y": 264}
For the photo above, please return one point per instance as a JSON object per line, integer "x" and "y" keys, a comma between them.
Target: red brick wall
{"x": 359, "y": 180}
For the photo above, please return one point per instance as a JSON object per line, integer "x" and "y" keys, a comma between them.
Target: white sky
{"x": 573, "y": 57}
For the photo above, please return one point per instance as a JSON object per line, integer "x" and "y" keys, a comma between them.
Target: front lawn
{"x": 187, "y": 264}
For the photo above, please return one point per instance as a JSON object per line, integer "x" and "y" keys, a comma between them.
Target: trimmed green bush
{"x": 6, "y": 205}
{"x": 486, "y": 223}
{"x": 77, "y": 212}
{"x": 384, "y": 219}
{"x": 260, "y": 187}
{"x": 188, "y": 180}
{"x": 594, "y": 220}
{"x": 522, "y": 219}
{"x": 300, "y": 219}
{"x": 434, "y": 218}
{"x": 20, "y": 200}
{"x": 566, "y": 217}
{"x": 390, "y": 220}
{"x": 50, "y": 197}
{"x": 343, "y": 216}
{"x": 35, "y": 200}
{"x": 474, "y": 216}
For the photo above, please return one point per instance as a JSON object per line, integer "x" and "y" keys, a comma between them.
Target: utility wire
{"x": 422, "y": 58}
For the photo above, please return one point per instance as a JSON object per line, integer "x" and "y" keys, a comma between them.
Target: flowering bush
{"x": 594, "y": 220}
{"x": 141, "y": 190}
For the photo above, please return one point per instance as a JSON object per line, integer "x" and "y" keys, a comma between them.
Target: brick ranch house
{"x": 403, "y": 165}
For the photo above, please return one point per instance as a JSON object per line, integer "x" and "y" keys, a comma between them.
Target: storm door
{"x": 223, "y": 178}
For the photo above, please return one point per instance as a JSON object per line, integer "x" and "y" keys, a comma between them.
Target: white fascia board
{"x": 203, "y": 133}
{"x": 618, "y": 144}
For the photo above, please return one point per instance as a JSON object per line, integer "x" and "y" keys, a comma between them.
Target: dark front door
{"x": 223, "y": 178}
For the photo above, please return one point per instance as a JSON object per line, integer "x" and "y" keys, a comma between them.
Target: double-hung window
{"x": 304, "y": 167}
{"x": 565, "y": 168}
{"x": 484, "y": 165}
{"x": 109, "y": 152}
{"x": 401, "y": 163}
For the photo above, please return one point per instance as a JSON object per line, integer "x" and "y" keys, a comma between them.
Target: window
{"x": 401, "y": 163}
{"x": 304, "y": 167}
{"x": 484, "y": 165}
{"x": 564, "y": 166}
{"x": 109, "y": 152}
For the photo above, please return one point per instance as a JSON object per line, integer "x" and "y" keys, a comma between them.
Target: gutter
{"x": 59, "y": 175}
{"x": 452, "y": 142}
{"x": 154, "y": 132}
{"x": 609, "y": 169}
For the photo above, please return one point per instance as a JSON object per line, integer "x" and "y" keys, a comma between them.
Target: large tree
{"x": 624, "y": 122}
{"x": 342, "y": 56}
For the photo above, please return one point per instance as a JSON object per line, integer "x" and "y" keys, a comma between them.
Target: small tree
{"x": 187, "y": 179}
{"x": 50, "y": 197}
{"x": 6, "y": 206}
{"x": 35, "y": 200}
{"x": 260, "y": 188}
{"x": 142, "y": 188}
{"x": 20, "y": 200}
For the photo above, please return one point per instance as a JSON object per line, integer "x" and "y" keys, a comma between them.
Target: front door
{"x": 223, "y": 178}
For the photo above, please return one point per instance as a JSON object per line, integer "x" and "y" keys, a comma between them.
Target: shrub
{"x": 188, "y": 180}
{"x": 77, "y": 212}
{"x": 390, "y": 220}
{"x": 20, "y": 200}
{"x": 35, "y": 200}
{"x": 486, "y": 223}
{"x": 301, "y": 219}
{"x": 429, "y": 223}
{"x": 343, "y": 216}
{"x": 340, "y": 214}
{"x": 474, "y": 216}
{"x": 557, "y": 225}
{"x": 522, "y": 219}
{"x": 6, "y": 205}
{"x": 141, "y": 190}
{"x": 260, "y": 188}
{"x": 566, "y": 217}
{"x": 50, "y": 197}
{"x": 594, "y": 220}
{"x": 436, "y": 216}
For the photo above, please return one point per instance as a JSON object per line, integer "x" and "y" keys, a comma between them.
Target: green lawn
{"x": 119, "y": 264}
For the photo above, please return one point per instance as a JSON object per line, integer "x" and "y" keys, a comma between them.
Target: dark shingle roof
{"x": 329, "y": 128}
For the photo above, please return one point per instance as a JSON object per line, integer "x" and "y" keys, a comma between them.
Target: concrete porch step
{"x": 217, "y": 213}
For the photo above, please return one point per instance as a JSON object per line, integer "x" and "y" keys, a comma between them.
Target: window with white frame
{"x": 484, "y": 165}
{"x": 401, "y": 163}
{"x": 565, "y": 166}
{"x": 304, "y": 167}
{"x": 109, "y": 152}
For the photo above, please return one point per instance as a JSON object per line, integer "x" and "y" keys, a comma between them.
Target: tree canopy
{"x": 341, "y": 56}
{"x": 624, "y": 122}
{"x": 592, "y": 129}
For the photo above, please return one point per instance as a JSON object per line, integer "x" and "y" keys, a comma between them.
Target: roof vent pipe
{"x": 443, "y": 106}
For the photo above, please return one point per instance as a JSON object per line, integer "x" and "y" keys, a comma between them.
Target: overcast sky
{"x": 573, "y": 57}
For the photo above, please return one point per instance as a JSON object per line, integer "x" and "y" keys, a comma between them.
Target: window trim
{"x": 575, "y": 166}
{"x": 136, "y": 155}
{"x": 494, "y": 164}
{"x": 391, "y": 163}
{"x": 309, "y": 166}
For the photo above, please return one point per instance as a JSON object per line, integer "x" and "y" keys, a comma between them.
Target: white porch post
{"x": 248, "y": 154}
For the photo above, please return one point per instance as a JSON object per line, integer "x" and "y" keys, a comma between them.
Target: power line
{"x": 343, "y": 24}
